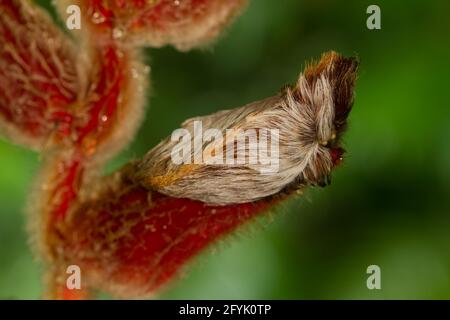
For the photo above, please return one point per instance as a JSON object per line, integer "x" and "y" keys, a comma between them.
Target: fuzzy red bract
{"x": 132, "y": 241}
{"x": 38, "y": 75}
{"x": 182, "y": 23}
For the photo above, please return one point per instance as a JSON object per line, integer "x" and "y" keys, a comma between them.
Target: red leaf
{"x": 132, "y": 241}
{"x": 182, "y": 23}
{"x": 38, "y": 75}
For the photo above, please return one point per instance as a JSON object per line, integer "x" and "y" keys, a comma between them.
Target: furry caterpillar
{"x": 309, "y": 119}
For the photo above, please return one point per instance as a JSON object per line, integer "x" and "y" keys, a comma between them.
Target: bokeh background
{"x": 389, "y": 203}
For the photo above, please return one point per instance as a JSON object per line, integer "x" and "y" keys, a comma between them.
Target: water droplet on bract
{"x": 118, "y": 33}
{"x": 97, "y": 18}
{"x": 134, "y": 73}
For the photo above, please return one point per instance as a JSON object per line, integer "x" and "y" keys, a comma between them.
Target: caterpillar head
{"x": 324, "y": 94}
{"x": 340, "y": 72}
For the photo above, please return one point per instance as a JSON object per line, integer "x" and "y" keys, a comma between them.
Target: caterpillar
{"x": 309, "y": 119}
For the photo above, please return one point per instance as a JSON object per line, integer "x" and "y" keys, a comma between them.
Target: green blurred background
{"x": 389, "y": 202}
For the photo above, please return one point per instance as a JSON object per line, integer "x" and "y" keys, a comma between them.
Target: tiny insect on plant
{"x": 79, "y": 101}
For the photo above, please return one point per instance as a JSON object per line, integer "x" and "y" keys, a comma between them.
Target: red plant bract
{"x": 133, "y": 241}
{"x": 38, "y": 75}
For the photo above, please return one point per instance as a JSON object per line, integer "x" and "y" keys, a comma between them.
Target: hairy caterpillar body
{"x": 307, "y": 120}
